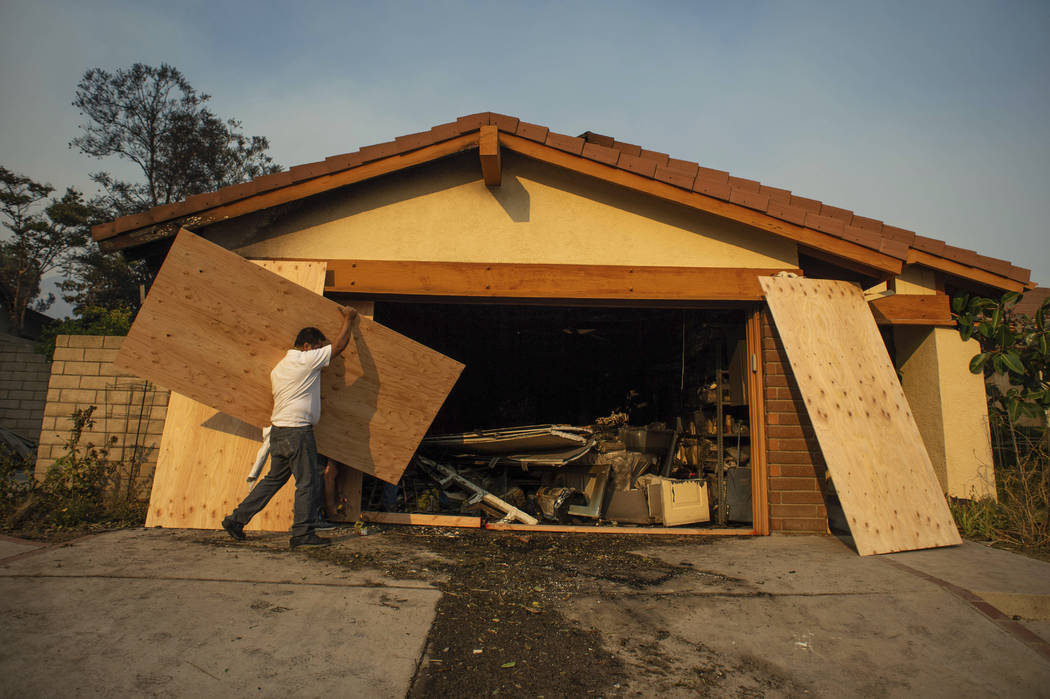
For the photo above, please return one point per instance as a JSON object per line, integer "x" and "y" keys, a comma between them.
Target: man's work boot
{"x": 234, "y": 529}
{"x": 310, "y": 539}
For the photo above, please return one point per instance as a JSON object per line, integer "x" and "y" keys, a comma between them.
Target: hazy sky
{"x": 931, "y": 116}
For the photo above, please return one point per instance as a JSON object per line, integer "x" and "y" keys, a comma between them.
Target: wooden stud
{"x": 508, "y": 280}
{"x": 421, "y": 519}
{"x": 756, "y": 400}
{"x": 489, "y": 152}
{"x": 583, "y": 529}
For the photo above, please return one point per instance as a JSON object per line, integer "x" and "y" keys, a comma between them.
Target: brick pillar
{"x": 799, "y": 489}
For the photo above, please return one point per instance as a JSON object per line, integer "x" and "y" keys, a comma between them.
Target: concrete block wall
{"x": 800, "y": 492}
{"x": 129, "y": 414}
{"x": 24, "y": 375}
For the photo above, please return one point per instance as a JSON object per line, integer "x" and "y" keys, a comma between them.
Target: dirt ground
{"x": 504, "y": 628}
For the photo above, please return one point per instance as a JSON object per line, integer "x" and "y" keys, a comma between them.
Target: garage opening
{"x": 582, "y": 415}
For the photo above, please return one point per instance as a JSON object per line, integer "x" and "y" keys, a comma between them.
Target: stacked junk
{"x": 608, "y": 472}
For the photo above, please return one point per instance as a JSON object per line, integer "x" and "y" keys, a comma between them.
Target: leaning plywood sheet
{"x": 214, "y": 325}
{"x": 205, "y": 454}
{"x": 862, "y": 420}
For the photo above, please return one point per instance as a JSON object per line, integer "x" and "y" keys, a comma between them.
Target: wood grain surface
{"x": 205, "y": 455}
{"x": 876, "y": 457}
{"x": 214, "y": 325}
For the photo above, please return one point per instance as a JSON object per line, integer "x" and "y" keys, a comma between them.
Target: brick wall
{"x": 800, "y": 493}
{"x": 23, "y": 386}
{"x": 127, "y": 408}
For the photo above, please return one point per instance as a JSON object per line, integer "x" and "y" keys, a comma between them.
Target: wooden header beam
{"x": 912, "y": 309}
{"x": 488, "y": 151}
{"x": 510, "y": 280}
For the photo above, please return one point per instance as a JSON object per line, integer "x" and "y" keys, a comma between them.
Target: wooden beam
{"x": 584, "y": 529}
{"x": 756, "y": 401}
{"x": 511, "y": 280}
{"x": 695, "y": 200}
{"x": 966, "y": 272}
{"x": 424, "y": 520}
{"x": 489, "y": 152}
{"x": 165, "y": 229}
{"x": 912, "y": 309}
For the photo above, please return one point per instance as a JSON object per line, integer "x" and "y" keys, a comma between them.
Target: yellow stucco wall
{"x": 950, "y": 407}
{"x": 540, "y": 214}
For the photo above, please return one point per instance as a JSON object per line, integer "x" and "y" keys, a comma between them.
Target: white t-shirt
{"x": 296, "y": 383}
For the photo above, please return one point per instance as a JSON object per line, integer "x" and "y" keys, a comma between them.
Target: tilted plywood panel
{"x": 205, "y": 455}
{"x": 214, "y": 325}
{"x": 862, "y": 420}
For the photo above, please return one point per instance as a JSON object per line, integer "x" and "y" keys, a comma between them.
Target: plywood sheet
{"x": 214, "y": 325}
{"x": 862, "y": 420}
{"x": 205, "y": 454}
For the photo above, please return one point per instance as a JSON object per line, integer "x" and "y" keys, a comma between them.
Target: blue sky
{"x": 932, "y": 116}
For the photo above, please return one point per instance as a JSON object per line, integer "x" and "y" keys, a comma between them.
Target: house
{"x": 577, "y": 276}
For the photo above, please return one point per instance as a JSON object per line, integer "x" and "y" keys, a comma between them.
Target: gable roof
{"x": 814, "y": 225}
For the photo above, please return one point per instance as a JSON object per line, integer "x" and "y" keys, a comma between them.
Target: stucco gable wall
{"x": 540, "y": 214}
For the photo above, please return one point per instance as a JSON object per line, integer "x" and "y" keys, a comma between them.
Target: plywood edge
{"x": 584, "y": 529}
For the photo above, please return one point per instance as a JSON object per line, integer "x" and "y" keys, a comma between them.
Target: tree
{"x": 157, "y": 120}
{"x": 44, "y": 236}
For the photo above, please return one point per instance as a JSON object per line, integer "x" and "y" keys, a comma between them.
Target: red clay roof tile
{"x": 844, "y": 215}
{"x": 602, "y": 154}
{"x": 711, "y": 187}
{"x": 655, "y": 156}
{"x": 415, "y": 140}
{"x": 533, "y": 132}
{"x": 503, "y": 122}
{"x": 744, "y": 184}
{"x": 472, "y": 121}
{"x": 379, "y": 151}
{"x": 566, "y": 143}
{"x": 871, "y": 224}
{"x": 713, "y": 175}
{"x": 810, "y": 205}
{"x": 598, "y": 138}
{"x": 934, "y": 247}
{"x": 628, "y": 148}
{"x": 825, "y": 224}
{"x": 686, "y": 167}
{"x": 443, "y": 132}
{"x": 308, "y": 171}
{"x": 752, "y": 200}
{"x": 637, "y": 164}
{"x": 898, "y": 234}
{"x": 779, "y": 195}
{"x": 675, "y": 177}
{"x": 775, "y": 202}
{"x": 344, "y": 161}
{"x": 786, "y": 212}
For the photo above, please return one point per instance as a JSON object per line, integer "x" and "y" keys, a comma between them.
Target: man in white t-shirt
{"x": 296, "y": 384}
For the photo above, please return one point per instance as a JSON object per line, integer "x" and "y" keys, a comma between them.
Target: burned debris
{"x": 673, "y": 450}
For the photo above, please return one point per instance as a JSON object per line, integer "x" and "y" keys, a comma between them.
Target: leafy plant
{"x": 92, "y": 320}
{"x": 1012, "y": 345}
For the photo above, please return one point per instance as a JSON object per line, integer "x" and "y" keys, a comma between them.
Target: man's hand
{"x": 349, "y": 313}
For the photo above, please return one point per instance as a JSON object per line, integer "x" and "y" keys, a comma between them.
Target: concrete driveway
{"x": 173, "y": 613}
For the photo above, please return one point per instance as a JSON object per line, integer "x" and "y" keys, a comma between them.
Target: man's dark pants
{"x": 293, "y": 452}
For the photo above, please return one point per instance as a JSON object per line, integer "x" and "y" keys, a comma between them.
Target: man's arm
{"x": 343, "y": 339}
